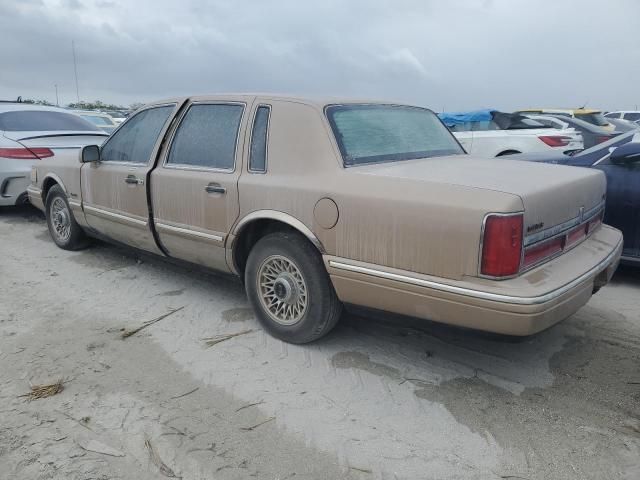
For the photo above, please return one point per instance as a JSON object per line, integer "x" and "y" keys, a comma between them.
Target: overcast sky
{"x": 452, "y": 55}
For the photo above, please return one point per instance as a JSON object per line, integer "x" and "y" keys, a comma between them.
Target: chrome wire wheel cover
{"x": 60, "y": 219}
{"x": 282, "y": 290}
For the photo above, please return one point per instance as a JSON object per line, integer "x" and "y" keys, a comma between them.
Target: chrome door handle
{"x": 215, "y": 188}
{"x": 132, "y": 179}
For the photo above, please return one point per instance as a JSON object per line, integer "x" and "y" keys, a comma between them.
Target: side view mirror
{"x": 627, "y": 153}
{"x": 90, "y": 153}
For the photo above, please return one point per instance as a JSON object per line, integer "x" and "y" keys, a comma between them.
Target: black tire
{"x": 74, "y": 238}
{"x": 322, "y": 307}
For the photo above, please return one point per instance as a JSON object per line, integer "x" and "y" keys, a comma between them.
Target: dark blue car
{"x": 619, "y": 159}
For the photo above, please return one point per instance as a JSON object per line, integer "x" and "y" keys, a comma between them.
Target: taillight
{"x": 594, "y": 222}
{"x": 501, "y": 245}
{"x": 536, "y": 253}
{"x": 602, "y": 138}
{"x": 555, "y": 140}
{"x": 22, "y": 153}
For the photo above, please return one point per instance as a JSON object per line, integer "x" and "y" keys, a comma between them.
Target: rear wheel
{"x": 63, "y": 228}
{"x": 289, "y": 288}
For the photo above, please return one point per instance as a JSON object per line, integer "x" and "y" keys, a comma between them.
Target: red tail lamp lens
{"x": 502, "y": 245}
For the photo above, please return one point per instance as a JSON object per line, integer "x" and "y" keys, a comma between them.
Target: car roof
{"x": 317, "y": 101}
{"x": 16, "y": 107}
{"x": 573, "y": 111}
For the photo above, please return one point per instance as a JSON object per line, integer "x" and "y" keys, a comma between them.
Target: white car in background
{"x": 630, "y": 115}
{"x": 33, "y": 133}
{"x": 490, "y": 133}
{"x": 101, "y": 120}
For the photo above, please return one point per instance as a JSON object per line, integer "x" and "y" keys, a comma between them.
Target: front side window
{"x": 632, "y": 116}
{"x": 207, "y": 137}
{"x": 371, "y": 133}
{"x": 258, "y": 153}
{"x": 134, "y": 141}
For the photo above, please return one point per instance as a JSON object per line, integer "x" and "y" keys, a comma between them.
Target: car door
{"x": 114, "y": 191}
{"x": 623, "y": 202}
{"x": 194, "y": 192}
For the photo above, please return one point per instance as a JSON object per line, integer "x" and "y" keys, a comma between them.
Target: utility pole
{"x": 57, "y": 102}
{"x": 75, "y": 69}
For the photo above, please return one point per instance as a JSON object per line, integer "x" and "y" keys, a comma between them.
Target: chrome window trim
{"x": 495, "y": 297}
{"x": 160, "y": 135}
{"x": 183, "y": 166}
{"x": 188, "y": 232}
{"x": 266, "y": 145}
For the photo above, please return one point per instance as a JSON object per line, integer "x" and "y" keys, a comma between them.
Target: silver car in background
{"x": 33, "y": 133}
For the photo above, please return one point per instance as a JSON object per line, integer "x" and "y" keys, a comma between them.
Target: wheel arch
{"x": 49, "y": 181}
{"x": 257, "y": 224}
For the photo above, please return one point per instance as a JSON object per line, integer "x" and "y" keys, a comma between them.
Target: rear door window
{"x": 207, "y": 137}
{"x": 258, "y": 152}
{"x": 134, "y": 141}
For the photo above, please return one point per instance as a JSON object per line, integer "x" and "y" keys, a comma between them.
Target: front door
{"x": 194, "y": 192}
{"x": 114, "y": 190}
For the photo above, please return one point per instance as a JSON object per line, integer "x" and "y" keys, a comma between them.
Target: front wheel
{"x": 289, "y": 288}
{"x": 63, "y": 228}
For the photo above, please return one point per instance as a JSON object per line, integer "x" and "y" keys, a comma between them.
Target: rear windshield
{"x": 386, "y": 133}
{"x": 43, "y": 121}
{"x": 98, "y": 120}
{"x": 594, "y": 118}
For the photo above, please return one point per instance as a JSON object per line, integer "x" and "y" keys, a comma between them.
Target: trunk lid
{"x": 551, "y": 194}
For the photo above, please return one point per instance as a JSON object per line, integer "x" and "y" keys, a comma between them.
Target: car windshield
{"x": 43, "y": 121}
{"x": 97, "y": 120}
{"x": 370, "y": 133}
{"x": 594, "y": 118}
{"x": 515, "y": 121}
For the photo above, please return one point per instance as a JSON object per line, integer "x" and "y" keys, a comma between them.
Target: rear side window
{"x": 207, "y": 137}
{"x": 612, "y": 115}
{"x": 258, "y": 154}
{"x": 43, "y": 121}
{"x": 134, "y": 141}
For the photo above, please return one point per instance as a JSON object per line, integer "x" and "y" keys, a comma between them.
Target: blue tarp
{"x": 458, "y": 118}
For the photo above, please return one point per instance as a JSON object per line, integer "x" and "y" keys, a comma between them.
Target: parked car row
{"x": 320, "y": 204}
{"x": 317, "y": 204}
{"x": 32, "y": 133}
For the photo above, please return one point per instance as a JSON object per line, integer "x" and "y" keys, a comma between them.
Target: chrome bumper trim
{"x": 188, "y": 232}
{"x": 495, "y": 297}
{"x": 114, "y": 216}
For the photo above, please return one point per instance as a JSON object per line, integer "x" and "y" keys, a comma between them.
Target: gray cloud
{"x": 452, "y": 55}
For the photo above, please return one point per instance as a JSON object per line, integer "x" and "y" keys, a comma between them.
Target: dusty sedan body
{"x": 319, "y": 203}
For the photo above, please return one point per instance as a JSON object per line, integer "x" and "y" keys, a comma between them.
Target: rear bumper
{"x": 12, "y": 187}
{"x": 521, "y": 306}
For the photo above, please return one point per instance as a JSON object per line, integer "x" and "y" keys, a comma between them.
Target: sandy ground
{"x": 381, "y": 398}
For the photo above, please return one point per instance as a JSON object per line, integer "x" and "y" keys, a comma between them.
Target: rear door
{"x": 194, "y": 191}
{"x": 114, "y": 191}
